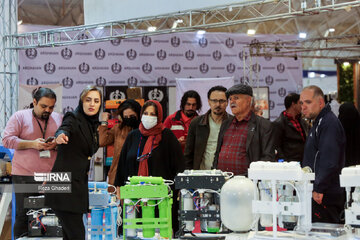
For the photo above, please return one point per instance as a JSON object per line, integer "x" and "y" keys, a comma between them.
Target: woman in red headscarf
{"x": 151, "y": 150}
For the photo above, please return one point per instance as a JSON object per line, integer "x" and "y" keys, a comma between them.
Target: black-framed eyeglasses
{"x": 221, "y": 101}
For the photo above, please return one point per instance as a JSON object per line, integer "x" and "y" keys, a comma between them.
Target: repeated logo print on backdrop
{"x": 67, "y": 82}
{"x": 162, "y": 81}
{"x": 147, "y": 68}
{"x": 32, "y": 81}
{"x": 49, "y": 68}
{"x": 100, "y": 81}
{"x": 230, "y": 68}
{"x": 175, "y": 41}
{"x": 204, "y": 68}
{"x": 280, "y": 68}
{"x": 268, "y": 57}
{"x": 84, "y": 68}
{"x": 100, "y": 54}
{"x": 66, "y": 53}
{"x": 146, "y": 41}
{"x": 217, "y": 55}
{"x": 116, "y": 68}
{"x": 244, "y": 80}
{"x": 176, "y": 68}
{"x": 203, "y": 42}
{"x": 256, "y": 67}
{"x": 229, "y": 42}
{"x": 161, "y": 54}
{"x": 31, "y": 53}
{"x": 282, "y": 92}
{"x": 156, "y": 94}
{"x": 131, "y": 54}
{"x": 115, "y": 41}
{"x": 117, "y": 95}
{"x": 132, "y": 81}
{"x": 82, "y": 36}
{"x": 67, "y": 109}
{"x": 189, "y": 55}
{"x": 243, "y": 55}
{"x": 269, "y": 80}
{"x": 271, "y": 104}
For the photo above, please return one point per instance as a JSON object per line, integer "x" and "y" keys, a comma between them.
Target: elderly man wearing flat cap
{"x": 244, "y": 137}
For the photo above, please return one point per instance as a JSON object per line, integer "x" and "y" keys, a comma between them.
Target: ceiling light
{"x": 302, "y": 35}
{"x": 347, "y": 8}
{"x": 331, "y": 29}
{"x": 322, "y": 75}
{"x": 251, "y": 32}
{"x": 201, "y": 32}
{"x": 346, "y": 64}
{"x": 151, "y": 29}
{"x": 311, "y": 74}
{"x": 358, "y": 62}
{"x": 230, "y": 8}
{"x": 19, "y": 22}
{"x": 176, "y": 23}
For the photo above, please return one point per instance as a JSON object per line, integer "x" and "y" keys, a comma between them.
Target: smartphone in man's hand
{"x": 49, "y": 139}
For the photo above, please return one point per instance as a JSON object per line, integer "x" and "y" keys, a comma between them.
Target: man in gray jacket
{"x": 245, "y": 137}
{"x": 204, "y": 130}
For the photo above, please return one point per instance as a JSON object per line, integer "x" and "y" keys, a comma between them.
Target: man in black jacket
{"x": 290, "y": 130}
{"x": 324, "y": 154}
{"x": 245, "y": 137}
{"x": 204, "y": 130}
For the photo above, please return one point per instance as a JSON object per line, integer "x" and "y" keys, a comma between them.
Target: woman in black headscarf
{"x": 77, "y": 140}
{"x": 129, "y": 112}
{"x": 350, "y": 119}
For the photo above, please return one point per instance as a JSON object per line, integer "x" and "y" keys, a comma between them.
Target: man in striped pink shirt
{"x": 26, "y": 132}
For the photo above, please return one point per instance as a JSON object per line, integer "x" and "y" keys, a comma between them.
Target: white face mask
{"x": 148, "y": 121}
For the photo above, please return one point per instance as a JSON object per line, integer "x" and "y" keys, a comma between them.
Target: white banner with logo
{"x": 158, "y": 61}
{"x": 202, "y": 86}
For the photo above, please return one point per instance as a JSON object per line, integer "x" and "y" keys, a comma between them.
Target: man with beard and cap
{"x": 179, "y": 122}
{"x": 244, "y": 137}
{"x": 29, "y": 132}
{"x": 204, "y": 130}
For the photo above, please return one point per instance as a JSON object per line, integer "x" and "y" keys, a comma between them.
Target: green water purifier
{"x": 147, "y": 195}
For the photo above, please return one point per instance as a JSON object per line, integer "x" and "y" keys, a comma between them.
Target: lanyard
{"x": 138, "y": 157}
{"x": 43, "y": 131}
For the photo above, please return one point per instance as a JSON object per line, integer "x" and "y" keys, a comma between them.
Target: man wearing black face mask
{"x": 129, "y": 112}
{"x": 179, "y": 122}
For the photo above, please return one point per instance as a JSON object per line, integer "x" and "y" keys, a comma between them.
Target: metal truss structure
{"x": 266, "y": 16}
{"x": 8, "y": 62}
{"x": 246, "y": 12}
{"x": 340, "y": 48}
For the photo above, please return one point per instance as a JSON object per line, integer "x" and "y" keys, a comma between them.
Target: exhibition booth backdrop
{"x": 156, "y": 61}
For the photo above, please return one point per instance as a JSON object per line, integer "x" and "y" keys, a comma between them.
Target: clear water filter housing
{"x": 236, "y": 199}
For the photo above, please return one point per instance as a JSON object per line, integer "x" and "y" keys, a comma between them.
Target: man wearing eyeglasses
{"x": 244, "y": 137}
{"x": 204, "y": 130}
{"x": 179, "y": 122}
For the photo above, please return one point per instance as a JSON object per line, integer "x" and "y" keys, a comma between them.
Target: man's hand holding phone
{"x": 50, "y": 143}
